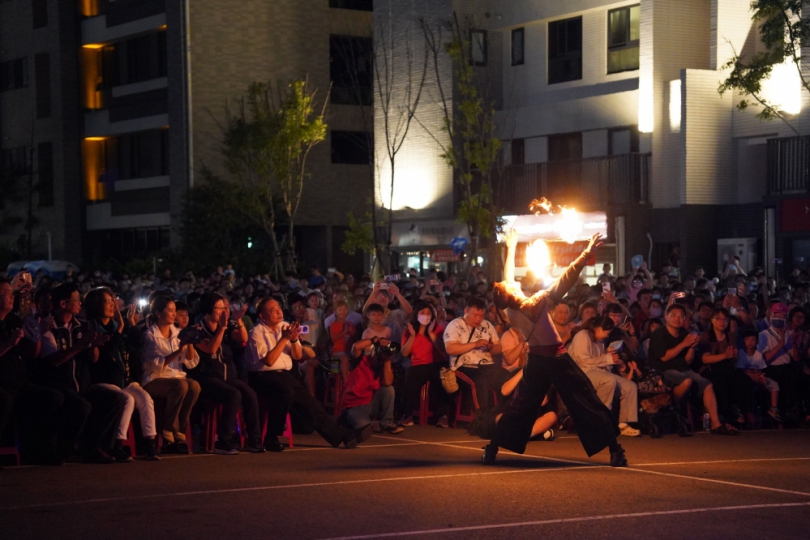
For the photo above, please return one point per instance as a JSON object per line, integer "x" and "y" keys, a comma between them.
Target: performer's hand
{"x": 511, "y": 238}
{"x": 595, "y": 243}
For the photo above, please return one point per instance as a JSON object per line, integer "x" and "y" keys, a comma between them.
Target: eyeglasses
{"x": 720, "y": 319}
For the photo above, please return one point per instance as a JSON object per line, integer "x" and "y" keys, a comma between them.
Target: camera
{"x": 304, "y": 329}
{"x": 391, "y": 277}
{"x": 384, "y": 353}
{"x": 190, "y": 334}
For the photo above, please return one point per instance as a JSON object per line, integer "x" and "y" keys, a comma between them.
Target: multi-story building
{"x": 614, "y": 107}
{"x": 138, "y": 90}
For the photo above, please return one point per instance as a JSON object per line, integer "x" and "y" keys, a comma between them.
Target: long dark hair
{"x": 600, "y": 321}
{"x": 94, "y": 302}
{"x": 419, "y": 306}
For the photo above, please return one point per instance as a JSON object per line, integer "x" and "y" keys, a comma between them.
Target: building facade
{"x": 138, "y": 94}
{"x": 614, "y": 107}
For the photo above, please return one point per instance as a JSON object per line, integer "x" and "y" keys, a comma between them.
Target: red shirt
{"x": 422, "y": 351}
{"x": 361, "y": 385}
{"x": 341, "y": 343}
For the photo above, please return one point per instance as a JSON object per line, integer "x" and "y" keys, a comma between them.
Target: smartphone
{"x": 606, "y": 286}
{"x": 391, "y": 277}
{"x": 616, "y": 346}
{"x": 304, "y": 329}
{"x": 26, "y": 277}
{"x": 433, "y": 282}
{"x": 384, "y": 286}
{"x": 679, "y": 295}
{"x": 331, "y": 270}
{"x": 731, "y": 291}
{"x": 624, "y": 321}
{"x": 142, "y": 303}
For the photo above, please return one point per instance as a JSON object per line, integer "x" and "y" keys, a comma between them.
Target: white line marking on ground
{"x": 574, "y": 520}
{"x": 288, "y": 486}
{"x": 719, "y": 461}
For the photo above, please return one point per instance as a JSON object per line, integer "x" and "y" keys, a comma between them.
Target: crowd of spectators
{"x": 81, "y": 357}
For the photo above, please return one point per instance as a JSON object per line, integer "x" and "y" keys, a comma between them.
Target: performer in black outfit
{"x": 549, "y": 364}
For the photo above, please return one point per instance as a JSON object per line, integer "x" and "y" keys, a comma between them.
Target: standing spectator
{"x": 218, "y": 377}
{"x": 471, "y": 341}
{"x": 645, "y": 297}
{"x": 317, "y": 279}
{"x": 395, "y": 319}
{"x": 164, "y": 358}
{"x": 273, "y": 345}
{"x": 109, "y": 368}
{"x": 672, "y": 351}
{"x": 64, "y": 358}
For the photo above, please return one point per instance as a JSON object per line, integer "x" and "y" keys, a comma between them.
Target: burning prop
{"x": 569, "y": 226}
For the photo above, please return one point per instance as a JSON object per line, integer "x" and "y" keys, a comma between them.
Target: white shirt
{"x": 261, "y": 341}
{"x": 458, "y": 331}
{"x": 155, "y": 350}
{"x": 755, "y": 361}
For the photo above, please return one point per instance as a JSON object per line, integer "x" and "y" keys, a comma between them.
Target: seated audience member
{"x": 299, "y": 312}
{"x": 419, "y": 342}
{"x": 368, "y": 393}
{"x": 63, "y": 364}
{"x": 218, "y": 377}
{"x": 624, "y": 331}
{"x": 717, "y": 352}
{"x": 471, "y": 341}
{"x": 273, "y": 346}
{"x": 647, "y": 329}
{"x": 38, "y": 410}
{"x": 109, "y": 368}
{"x": 164, "y": 358}
{"x": 672, "y": 351}
{"x": 515, "y": 390}
{"x": 752, "y": 363}
{"x": 182, "y": 317}
{"x": 588, "y": 351}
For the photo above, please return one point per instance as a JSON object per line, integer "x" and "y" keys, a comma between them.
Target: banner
{"x": 443, "y": 255}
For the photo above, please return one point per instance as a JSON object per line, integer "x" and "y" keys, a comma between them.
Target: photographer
{"x": 368, "y": 393}
{"x": 273, "y": 345}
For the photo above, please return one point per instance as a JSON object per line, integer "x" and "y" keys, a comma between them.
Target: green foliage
{"x": 360, "y": 235}
{"x": 783, "y": 31}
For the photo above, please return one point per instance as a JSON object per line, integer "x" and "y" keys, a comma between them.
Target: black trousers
{"x": 94, "y": 414}
{"x": 232, "y": 394}
{"x": 730, "y": 390}
{"x": 487, "y": 377}
{"x": 36, "y": 411}
{"x": 416, "y": 378}
{"x": 595, "y": 426}
{"x": 794, "y": 387}
{"x": 286, "y": 394}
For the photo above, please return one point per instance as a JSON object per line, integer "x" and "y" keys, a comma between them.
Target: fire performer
{"x": 549, "y": 364}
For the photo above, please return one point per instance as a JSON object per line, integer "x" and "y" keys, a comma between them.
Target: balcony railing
{"x": 593, "y": 182}
{"x": 788, "y": 165}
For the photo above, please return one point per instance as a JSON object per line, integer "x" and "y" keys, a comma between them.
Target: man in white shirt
{"x": 273, "y": 345}
{"x": 471, "y": 341}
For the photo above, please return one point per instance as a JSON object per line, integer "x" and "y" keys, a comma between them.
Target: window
{"x": 623, "y": 36}
{"x": 136, "y": 155}
{"x": 565, "y": 50}
{"x": 478, "y": 47}
{"x": 42, "y": 74}
{"x": 517, "y": 47}
{"x": 140, "y": 59}
{"x": 518, "y": 151}
{"x": 350, "y": 70}
{"x": 565, "y": 147}
{"x": 359, "y": 5}
{"x": 40, "y": 12}
{"x": 351, "y": 147}
{"x": 16, "y": 161}
{"x": 13, "y": 74}
{"x": 622, "y": 141}
{"x": 45, "y": 173}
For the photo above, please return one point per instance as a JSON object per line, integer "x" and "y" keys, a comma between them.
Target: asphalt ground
{"x": 428, "y": 483}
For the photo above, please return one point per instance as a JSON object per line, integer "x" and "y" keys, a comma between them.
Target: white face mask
{"x": 655, "y": 312}
{"x": 424, "y": 320}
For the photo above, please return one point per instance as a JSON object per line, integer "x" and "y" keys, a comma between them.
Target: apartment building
{"x": 614, "y": 107}
{"x": 139, "y": 90}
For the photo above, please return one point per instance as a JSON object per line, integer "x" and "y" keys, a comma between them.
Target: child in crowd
{"x": 181, "y": 318}
{"x": 751, "y": 361}
{"x": 343, "y": 334}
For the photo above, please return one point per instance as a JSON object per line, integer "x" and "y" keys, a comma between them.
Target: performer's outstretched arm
{"x": 562, "y": 284}
{"x": 509, "y": 264}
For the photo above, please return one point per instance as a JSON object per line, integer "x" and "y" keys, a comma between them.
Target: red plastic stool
{"x": 424, "y": 404}
{"x": 9, "y": 450}
{"x": 335, "y": 380}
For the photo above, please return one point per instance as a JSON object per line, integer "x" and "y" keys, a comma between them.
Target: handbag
{"x": 448, "y": 375}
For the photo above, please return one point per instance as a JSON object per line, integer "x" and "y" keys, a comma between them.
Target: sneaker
{"x": 773, "y": 412}
{"x": 548, "y": 435}
{"x": 393, "y": 429}
{"x": 120, "y": 454}
{"x": 169, "y": 449}
{"x": 151, "y": 451}
{"x": 224, "y": 448}
{"x": 254, "y": 446}
{"x": 628, "y": 431}
{"x": 273, "y": 445}
{"x": 443, "y": 422}
{"x": 406, "y": 422}
{"x": 490, "y": 451}
{"x": 182, "y": 447}
{"x": 358, "y": 436}
{"x": 98, "y": 456}
{"x": 617, "y": 458}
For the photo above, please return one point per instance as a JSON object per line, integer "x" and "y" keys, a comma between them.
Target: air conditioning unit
{"x": 744, "y": 248}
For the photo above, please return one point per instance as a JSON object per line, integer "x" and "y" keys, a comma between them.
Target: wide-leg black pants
{"x": 595, "y": 426}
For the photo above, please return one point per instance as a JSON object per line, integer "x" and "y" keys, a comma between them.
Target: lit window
{"x": 623, "y": 38}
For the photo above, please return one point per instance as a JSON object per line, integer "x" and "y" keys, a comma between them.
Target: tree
{"x": 783, "y": 31}
{"x": 266, "y": 142}
{"x": 473, "y": 148}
